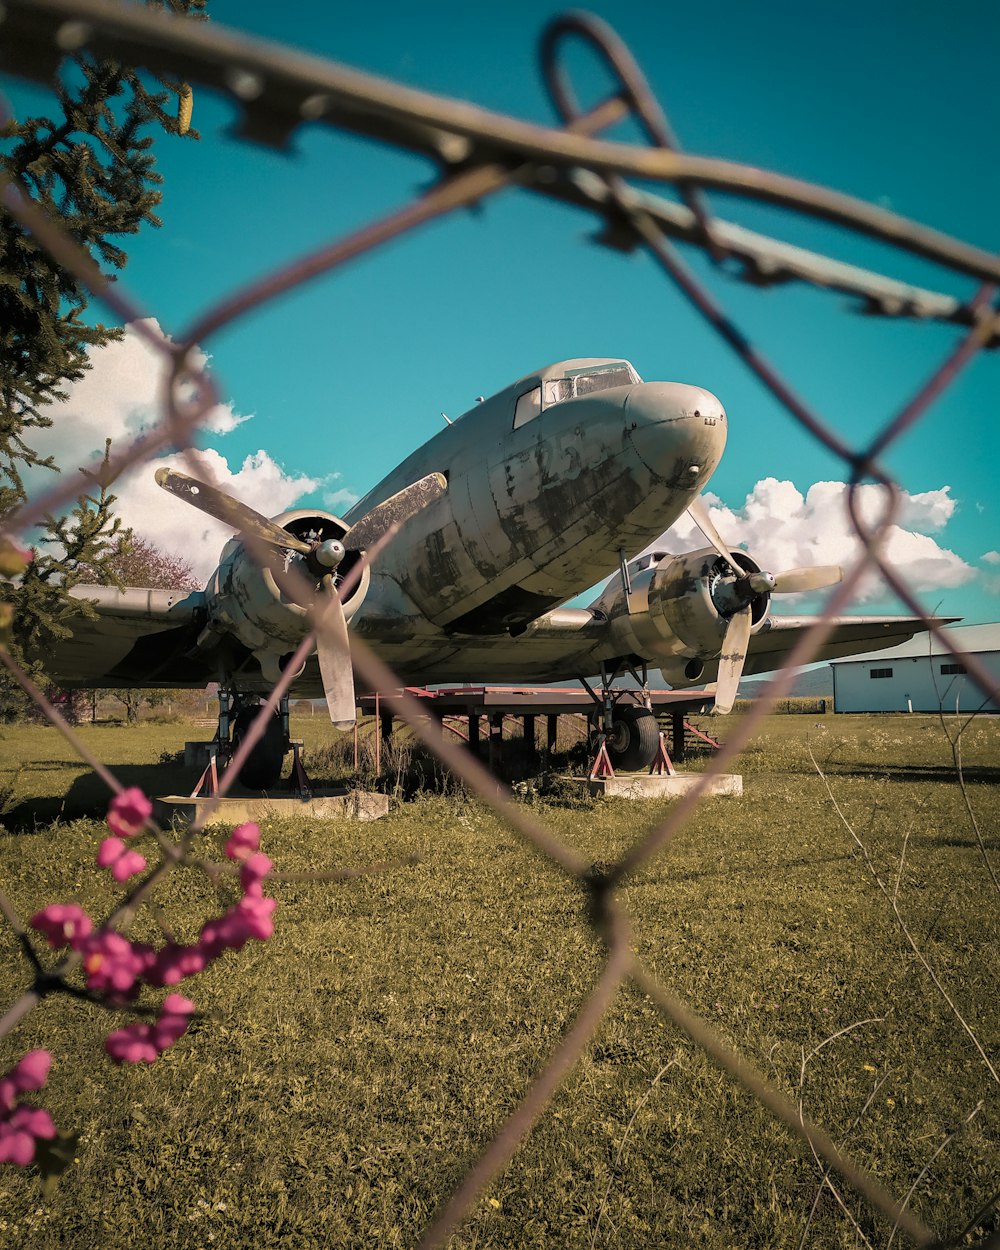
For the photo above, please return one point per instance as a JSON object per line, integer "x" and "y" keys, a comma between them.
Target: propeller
{"x": 732, "y": 659}
{"x": 320, "y": 559}
{"x": 733, "y": 595}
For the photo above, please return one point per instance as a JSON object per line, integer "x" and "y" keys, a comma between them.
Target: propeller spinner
{"x": 733, "y": 596}
{"x": 319, "y": 559}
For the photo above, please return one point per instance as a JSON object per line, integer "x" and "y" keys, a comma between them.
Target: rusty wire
{"x": 480, "y": 154}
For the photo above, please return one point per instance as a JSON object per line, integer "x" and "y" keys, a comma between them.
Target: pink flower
{"x": 19, "y": 1132}
{"x": 144, "y": 1043}
{"x": 128, "y": 812}
{"x": 243, "y": 841}
{"x": 21, "y": 1125}
{"x": 132, "y": 1044}
{"x": 249, "y": 918}
{"x": 111, "y": 962}
{"x": 253, "y": 871}
{"x": 175, "y": 1016}
{"x": 29, "y": 1073}
{"x": 173, "y": 963}
{"x": 62, "y": 924}
{"x": 114, "y": 854}
{"x": 255, "y": 914}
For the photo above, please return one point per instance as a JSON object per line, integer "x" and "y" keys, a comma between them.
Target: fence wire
{"x": 478, "y": 153}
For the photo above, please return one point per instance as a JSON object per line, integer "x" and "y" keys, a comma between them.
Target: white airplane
{"x": 507, "y": 513}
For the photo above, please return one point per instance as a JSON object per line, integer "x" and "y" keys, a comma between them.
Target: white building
{"x": 919, "y": 675}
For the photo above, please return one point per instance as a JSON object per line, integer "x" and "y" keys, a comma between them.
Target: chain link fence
{"x": 478, "y": 154}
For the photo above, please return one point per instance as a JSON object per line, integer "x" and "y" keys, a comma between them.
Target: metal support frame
{"x": 602, "y": 762}
{"x": 207, "y": 785}
{"x": 298, "y": 780}
{"x": 661, "y": 761}
{"x": 496, "y": 740}
{"x": 609, "y": 697}
{"x": 529, "y": 737}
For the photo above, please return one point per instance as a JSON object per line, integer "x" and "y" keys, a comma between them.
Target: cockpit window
{"x": 528, "y": 406}
{"x": 597, "y": 378}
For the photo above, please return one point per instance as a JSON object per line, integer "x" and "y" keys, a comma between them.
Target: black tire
{"x": 262, "y": 770}
{"x": 632, "y": 739}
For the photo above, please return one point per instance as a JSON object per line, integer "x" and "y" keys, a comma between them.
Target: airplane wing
{"x": 134, "y": 637}
{"x": 851, "y": 635}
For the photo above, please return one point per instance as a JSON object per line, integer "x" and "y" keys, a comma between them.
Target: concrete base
{"x": 653, "y": 786}
{"x": 233, "y": 810}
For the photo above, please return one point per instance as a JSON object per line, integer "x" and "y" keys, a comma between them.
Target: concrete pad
{"x": 233, "y": 810}
{"x": 653, "y": 786}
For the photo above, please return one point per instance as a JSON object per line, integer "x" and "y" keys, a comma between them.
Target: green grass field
{"x": 357, "y": 1063}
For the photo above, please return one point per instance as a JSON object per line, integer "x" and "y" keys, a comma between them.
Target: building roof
{"x": 977, "y": 638}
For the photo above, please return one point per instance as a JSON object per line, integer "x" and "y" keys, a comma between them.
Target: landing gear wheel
{"x": 262, "y": 770}
{"x": 632, "y": 739}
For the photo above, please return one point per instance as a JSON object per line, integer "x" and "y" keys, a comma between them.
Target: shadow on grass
{"x": 745, "y": 870}
{"x": 974, "y": 774}
{"x": 88, "y": 796}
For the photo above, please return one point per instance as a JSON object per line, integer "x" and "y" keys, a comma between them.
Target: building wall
{"x": 913, "y": 679}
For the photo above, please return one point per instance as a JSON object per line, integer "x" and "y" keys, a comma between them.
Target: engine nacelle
{"x": 679, "y": 611}
{"x": 244, "y": 599}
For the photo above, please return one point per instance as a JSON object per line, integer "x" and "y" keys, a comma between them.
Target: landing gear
{"x": 628, "y": 732}
{"x": 632, "y": 740}
{"x": 262, "y": 768}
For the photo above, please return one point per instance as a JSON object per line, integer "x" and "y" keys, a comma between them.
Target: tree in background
{"x": 89, "y": 166}
{"x": 74, "y": 548}
{"x": 135, "y": 561}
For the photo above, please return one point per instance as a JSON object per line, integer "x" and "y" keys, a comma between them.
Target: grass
{"x": 359, "y": 1061}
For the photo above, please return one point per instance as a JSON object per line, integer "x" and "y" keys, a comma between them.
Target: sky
{"x": 327, "y": 388}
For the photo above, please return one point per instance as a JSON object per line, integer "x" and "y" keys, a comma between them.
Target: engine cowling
{"x": 680, "y": 608}
{"x": 244, "y": 599}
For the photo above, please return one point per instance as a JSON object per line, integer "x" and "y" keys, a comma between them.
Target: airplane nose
{"x": 678, "y": 431}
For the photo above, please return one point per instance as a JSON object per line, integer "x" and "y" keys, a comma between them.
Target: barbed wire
{"x": 477, "y": 154}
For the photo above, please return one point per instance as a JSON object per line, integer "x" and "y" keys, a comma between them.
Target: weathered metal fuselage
{"x": 534, "y": 513}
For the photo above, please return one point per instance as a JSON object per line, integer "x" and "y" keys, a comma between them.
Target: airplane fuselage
{"x": 539, "y": 506}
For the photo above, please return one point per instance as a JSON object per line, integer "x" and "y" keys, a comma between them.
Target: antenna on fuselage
{"x": 448, "y": 419}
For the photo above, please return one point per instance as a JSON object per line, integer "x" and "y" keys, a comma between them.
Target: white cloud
{"x": 990, "y": 557}
{"x": 783, "y": 529}
{"x": 119, "y": 397}
{"x": 340, "y": 501}
{"x": 177, "y": 528}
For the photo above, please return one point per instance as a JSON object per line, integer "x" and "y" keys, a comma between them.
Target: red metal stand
{"x": 298, "y": 779}
{"x": 602, "y": 764}
{"x": 661, "y": 761}
{"x": 704, "y": 737}
{"x": 207, "y": 785}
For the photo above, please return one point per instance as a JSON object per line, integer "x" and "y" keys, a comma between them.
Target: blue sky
{"x": 887, "y": 101}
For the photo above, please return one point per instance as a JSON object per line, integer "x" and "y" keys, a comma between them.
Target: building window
{"x": 880, "y": 672}
{"x": 949, "y": 670}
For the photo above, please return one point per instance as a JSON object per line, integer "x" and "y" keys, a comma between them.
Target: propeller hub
{"x": 329, "y": 553}
{"x": 761, "y": 583}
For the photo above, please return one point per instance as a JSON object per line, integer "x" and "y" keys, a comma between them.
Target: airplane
{"x": 506, "y": 514}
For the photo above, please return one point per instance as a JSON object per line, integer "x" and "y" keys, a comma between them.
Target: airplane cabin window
{"x": 528, "y": 406}
{"x": 558, "y": 389}
{"x": 586, "y": 382}
{"x": 603, "y": 379}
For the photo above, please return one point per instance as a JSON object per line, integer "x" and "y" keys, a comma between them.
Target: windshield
{"x": 602, "y": 378}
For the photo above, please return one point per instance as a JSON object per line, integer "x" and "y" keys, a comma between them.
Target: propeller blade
{"x": 816, "y": 578}
{"x": 395, "y": 510}
{"x": 731, "y": 661}
{"x": 333, "y": 650}
{"x": 228, "y": 510}
{"x": 699, "y": 514}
